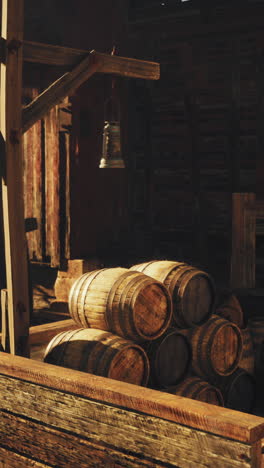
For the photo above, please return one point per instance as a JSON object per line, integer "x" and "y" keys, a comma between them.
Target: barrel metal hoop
{"x": 169, "y": 270}
{"x": 210, "y": 342}
{"x": 149, "y": 280}
{"x": 73, "y": 297}
{"x": 108, "y": 354}
{"x": 174, "y": 288}
{"x": 200, "y": 342}
{"x": 146, "y": 265}
{"x": 185, "y": 281}
{"x": 138, "y": 282}
{"x": 53, "y": 343}
{"x": 189, "y": 385}
{"x": 200, "y": 388}
{"x": 111, "y": 295}
{"x": 87, "y": 284}
{"x": 65, "y": 345}
{"x": 87, "y": 352}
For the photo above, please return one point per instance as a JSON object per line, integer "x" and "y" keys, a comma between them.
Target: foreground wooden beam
{"x": 65, "y": 56}
{"x": 67, "y": 418}
{"x": 12, "y": 179}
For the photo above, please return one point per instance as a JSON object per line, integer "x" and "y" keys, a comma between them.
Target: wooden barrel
{"x": 231, "y": 310}
{"x": 169, "y": 357}
{"x": 216, "y": 347}
{"x": 127, "y": 303}
{"x": 192, "y": 290}
{"x": 238, "y": 390}
{"x": 197, "y": 389}
{"x": 100, "y": 353}
{"x": 256, "y": 327}
{"x": 247, "y": 361}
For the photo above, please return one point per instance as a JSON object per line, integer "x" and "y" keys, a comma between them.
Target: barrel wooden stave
{"x": 127, "y": 303}
{"x": 192, "y": 290}
{"x": 197, "y": 389}
{"x": 216, "y": 347}
{"x": 169, "y": 357}
{"x": 230, "y": 309}
{"x": 247, "y": 360}
{"x": 101, "y": 353}
{"x": 238, "y": 390}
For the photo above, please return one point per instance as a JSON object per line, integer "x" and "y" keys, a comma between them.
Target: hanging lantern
{"x": 111, "y": 157}
{"x": 112, "y": 152}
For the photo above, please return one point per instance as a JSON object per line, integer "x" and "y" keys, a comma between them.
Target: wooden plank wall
{"x": 65, "y": 418}
{"x": 33, "y": 183}
{"x": 47, "y": 149}
{"x": 96, "y": 207}
{"x": 206, "y": 126}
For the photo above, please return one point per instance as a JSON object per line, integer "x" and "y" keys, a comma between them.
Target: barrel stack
{"x": 171, "y": 356}
{"x": 158, "y": 324}
{"x": 117, "y": 309}
{"x": 220, "y": 357}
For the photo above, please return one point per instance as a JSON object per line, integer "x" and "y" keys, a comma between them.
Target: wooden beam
{"x": 243, "y": 256}
{"x": 64, "y": 56}
{"x": 37, "y": 52}
{"x": 70, "y": 81}
{"x": 12, "y": 178}
{"x": 58, "y": 90}
{"x": 57, "y": 440}
{"x": 42, "y": 334}
{"x": 219, "y": 421}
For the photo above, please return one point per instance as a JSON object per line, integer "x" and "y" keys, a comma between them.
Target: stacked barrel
{"x": 202, "y": 355}
{"x": 116, "y": 309}
{"x": 157, "y": 324}
{"x": 250, "y": 374}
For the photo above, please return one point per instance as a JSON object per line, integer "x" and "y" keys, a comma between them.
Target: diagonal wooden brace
{"x": 58, "y": 90}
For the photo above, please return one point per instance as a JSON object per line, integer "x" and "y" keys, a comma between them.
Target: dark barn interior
{"x": 191, "y": 140}
{"x": 191, "y": 191}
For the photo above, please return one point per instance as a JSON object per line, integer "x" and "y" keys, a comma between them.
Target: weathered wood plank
{"x": 243, "y": 257}
{"x": 12, "y": 179}
{"x": 65, "y": 134}
{"x": 146, "y": 437}
{"x": 64, "y": 56}
{"x": 52, "y": 186}
{"x": 4, "y": 321}
{"x": 10, "y": 459}
{"x": 220, "y": 421}
{"x": 59, "y": 448}
{"x": 33, "y": 183}
{"x": 42, "y": 334}
{"x": 47, "y": 54}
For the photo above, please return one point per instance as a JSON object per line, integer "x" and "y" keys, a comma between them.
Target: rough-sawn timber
{"x": 59, "y": 417}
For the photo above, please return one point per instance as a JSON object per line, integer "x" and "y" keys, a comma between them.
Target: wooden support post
{"x": 12, "y": 178}
{"x": 243, "y": 240}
